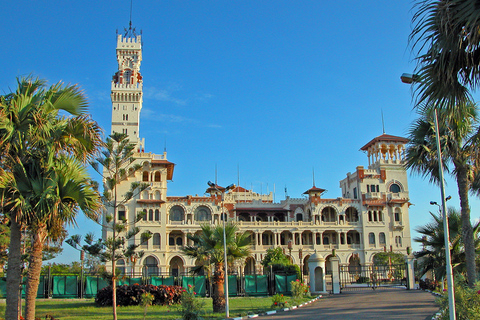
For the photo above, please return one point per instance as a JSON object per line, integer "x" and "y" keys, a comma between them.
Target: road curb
{"x": 275, "y": 311}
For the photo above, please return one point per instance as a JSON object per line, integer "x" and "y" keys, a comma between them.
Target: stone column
{"x": 410, "y": 272}
{"x": 334, "y": 261}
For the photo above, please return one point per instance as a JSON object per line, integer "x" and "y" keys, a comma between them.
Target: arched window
{"x": 176, "y": 213}
{"x": 329, "y": 215}
{"x": 381, "y": 238}
{"x": 145, "y": 176}
{"x": 150, "y": 215}
{"x": 299, "y": 216}
{"x": 371, "y": 238}
{"x": 157, "y": 215}
{"x": 351, "y": 214}
{"x": 157, "y": 176}
{"x": 156, "y": 241}
{"x": 203, "y": 214}
{"x": 395, "y": 188}
{"x": 151, "y": 266}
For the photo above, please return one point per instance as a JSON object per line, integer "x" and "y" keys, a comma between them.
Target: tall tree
{"x": 115, "y": 165}
{"x": 33, "y": 137}
{"x": 432, "y": 239}
{"x": 208, "y": 248}
{"x": 459, "y": 140}
{"x": 446, "y": 41}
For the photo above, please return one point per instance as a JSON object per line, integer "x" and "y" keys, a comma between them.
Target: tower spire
{"x": 130, "y": 32}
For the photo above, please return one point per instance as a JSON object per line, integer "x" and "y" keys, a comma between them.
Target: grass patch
{"x": 82, "y": 309}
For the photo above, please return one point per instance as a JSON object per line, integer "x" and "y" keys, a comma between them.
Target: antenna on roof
{"x": 313, "y": 171}
{"x": 165, "y": 145}
{"x": 383, "y": 122}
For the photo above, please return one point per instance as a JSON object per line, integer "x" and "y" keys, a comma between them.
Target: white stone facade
{"x": 371, "y": 215}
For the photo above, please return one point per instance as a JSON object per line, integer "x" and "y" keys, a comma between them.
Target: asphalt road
{"x": 367, "y": 304}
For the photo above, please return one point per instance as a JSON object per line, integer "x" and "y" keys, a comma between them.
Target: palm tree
{"x": 207, "y": 249}
{"x": 446, "y": 40}
{"x": 31, "y": 129}
{"x": 459, "y": 139}
{"x": 49, "y": 199}
{"x": 432, "y": 238}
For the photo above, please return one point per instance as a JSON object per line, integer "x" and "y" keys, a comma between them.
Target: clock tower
{"x": 127, "y": 94}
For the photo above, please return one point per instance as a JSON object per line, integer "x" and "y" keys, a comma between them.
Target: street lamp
{"x": 224, "y": 217}
{"x": 409, "y": 79}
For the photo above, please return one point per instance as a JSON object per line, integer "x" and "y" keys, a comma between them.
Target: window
{"x": 122, "y": 215}
{"x": 145, "y": 176}
{"x": 157, "y": 215}
{"x": 371, "y": 238}
{"x": 156, "y": 240}
{"x": 395, "y": 188}
{"x": 121, "y": 266}
{"x": 176, "y": 213}
{"x": 378, "y": 188}
{"x": 368, "y": 188}
{"x": 372, "y": 188}
{"x": 381, "y": 238}
{"x": 157, "y": 176}
{"x": 299, "y": 217}
{"x": 150, "y": 215}
{"x": 397, "y": 216}
{"x": 203, "y": 214}
{"x": 398, "y": 241}
{"x": 354, "y": 193}
{"x": 370, "y": 216}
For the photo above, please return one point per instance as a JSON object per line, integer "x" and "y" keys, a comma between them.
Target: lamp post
{"x": 224, "y": 217}
{"x": 409, "y": 79}
{"x": 290, "y": 247}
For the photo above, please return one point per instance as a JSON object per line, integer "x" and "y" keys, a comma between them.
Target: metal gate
{"x": 372, "y": 277}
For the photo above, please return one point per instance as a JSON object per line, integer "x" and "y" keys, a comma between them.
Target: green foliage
{"x": 191, "y": 307}
{"x": 299, "y": 289}
{"x": 275, "y": 256}
{"x": 384, "y": 258}
{"x": 131, "y": 295}
{"x": 146, "y": 299}
{"x": 279, "y": 301}
{"x": 467, "y": 301}
{"x": 432, "y": 256}
{"x": 62, "y": 268}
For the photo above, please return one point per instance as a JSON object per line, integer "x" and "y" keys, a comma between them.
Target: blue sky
{"x": 271, "y": 90}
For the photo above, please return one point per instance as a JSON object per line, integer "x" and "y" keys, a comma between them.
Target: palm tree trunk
{"x": 34, "y": 270}
{"x": 218, "y": 297}
{"x": 14, "y": 272}
{"x": 467, "y": 230}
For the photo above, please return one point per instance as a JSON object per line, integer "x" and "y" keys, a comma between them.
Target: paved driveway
{"x": 367, "y": 304}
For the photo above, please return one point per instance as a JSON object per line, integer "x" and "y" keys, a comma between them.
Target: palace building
{"x": 371, "y": 215}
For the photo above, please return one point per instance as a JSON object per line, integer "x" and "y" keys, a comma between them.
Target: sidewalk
{"x": 367, "y": 304}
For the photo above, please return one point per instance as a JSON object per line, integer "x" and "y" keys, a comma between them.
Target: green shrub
{"x": 131, "y": 295}
{"x": 467, "y": 301}
{"x": 299, "y": 289}
{"x": 191, "y": 308}
{"x": 363, "y": 279}
{"x": 279, "y": 301}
